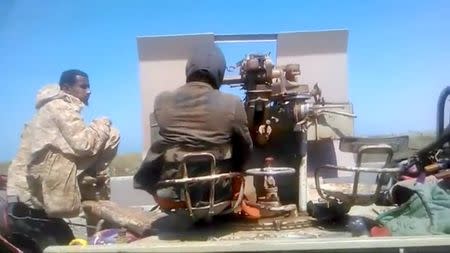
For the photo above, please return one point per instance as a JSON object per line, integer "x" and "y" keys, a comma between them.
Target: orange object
{"x": 379, "y": 232}
{"x": 432, "y": 168}
{"x": 248, "y": 211}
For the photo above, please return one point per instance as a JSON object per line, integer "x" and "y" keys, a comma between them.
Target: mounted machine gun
{"x": 280, "y": 110}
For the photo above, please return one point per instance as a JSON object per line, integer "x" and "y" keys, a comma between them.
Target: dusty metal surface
{"x": 162, "y": 62}
{"x": 338, "y": 244}
{"x": 234, "y": 236}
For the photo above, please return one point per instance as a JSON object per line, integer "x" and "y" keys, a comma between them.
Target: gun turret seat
{"x": 197, "y": 172}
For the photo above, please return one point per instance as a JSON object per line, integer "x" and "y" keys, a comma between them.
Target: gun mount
{"x": 273, "y": 92}
{"x": 295, "y": 102}
{"x": 280, "y": 110}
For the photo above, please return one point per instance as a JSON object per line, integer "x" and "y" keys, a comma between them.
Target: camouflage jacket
{"x": 44, "y": 171}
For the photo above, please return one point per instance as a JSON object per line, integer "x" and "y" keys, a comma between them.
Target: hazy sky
{"x": 398, "y": 54}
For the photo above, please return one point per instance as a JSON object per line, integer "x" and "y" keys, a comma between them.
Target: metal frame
{"x": 353, "y": 199}
{"x": 186, "y": 180}
{"x": 270, "y": 171}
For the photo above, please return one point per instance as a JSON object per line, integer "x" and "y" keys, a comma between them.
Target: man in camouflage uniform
{"x": 60, "y": 158}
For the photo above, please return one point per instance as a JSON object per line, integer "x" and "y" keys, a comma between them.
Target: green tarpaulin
{"x": 426, "y": 212}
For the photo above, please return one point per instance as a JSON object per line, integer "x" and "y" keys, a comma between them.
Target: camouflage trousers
{"x": 58, "y": 183}
{"x": 94, "y": 178}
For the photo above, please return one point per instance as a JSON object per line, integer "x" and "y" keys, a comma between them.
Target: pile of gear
{"x": 418, "y": 200}
{"x": 422, "y": 193}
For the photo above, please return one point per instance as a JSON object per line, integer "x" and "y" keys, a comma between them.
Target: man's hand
{"x": 103, "y": 121}
{"x": 99, "y": 180}
{"x": 102, "y": 124}
{"x": 95, "y": 188}
{"x": 102, "y": 179}
{"x": 88, "y": 180}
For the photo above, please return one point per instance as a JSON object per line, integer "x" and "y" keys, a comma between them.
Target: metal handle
{"x": 270, "y": 171}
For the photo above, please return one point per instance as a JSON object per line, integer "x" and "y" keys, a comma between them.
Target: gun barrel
{"x": 232, "y": 80}
{"x": 339, "y": 113}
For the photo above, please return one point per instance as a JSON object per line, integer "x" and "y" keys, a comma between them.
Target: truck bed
{"x": 235, "y": 236}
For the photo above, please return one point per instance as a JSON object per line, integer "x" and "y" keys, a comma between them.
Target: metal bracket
{"x": 212, "y": 178}
{"x": 354, "y": 198}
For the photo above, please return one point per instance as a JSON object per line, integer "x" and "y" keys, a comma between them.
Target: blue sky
{"x": 398, "y": 54}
